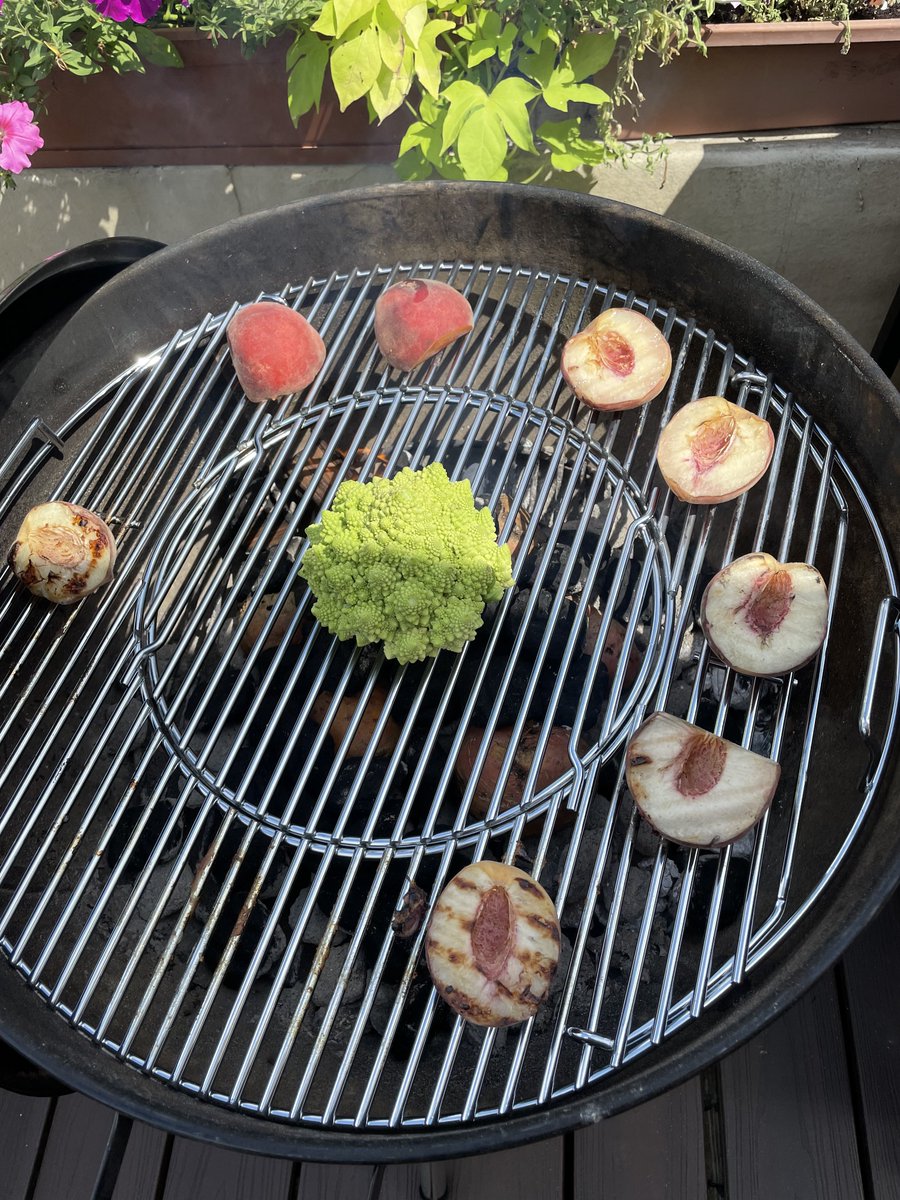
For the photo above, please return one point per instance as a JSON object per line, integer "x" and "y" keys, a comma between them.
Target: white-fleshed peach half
{"x": 693, "y": 787}
{"x": 63, "y": 552}
{"x": 492, "y": 944}
{"x": 619, "y": 361}
{"x": 712, "y": 450}
{"x": 763, "y": 617}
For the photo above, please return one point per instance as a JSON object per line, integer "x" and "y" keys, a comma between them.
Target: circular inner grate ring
{"x": 536, "y": 471}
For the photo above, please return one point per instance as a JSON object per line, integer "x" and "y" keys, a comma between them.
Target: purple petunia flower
{"x": 138, "y": 11}
{"x": 19, "y": 136}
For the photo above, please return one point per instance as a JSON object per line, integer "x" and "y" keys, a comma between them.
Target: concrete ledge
{"x": 820, "y": 207}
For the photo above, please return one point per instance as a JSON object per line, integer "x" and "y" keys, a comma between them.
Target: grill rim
{"x": 795, "y": 964}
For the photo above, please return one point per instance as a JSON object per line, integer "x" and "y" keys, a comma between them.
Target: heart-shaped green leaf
{"x": 355, "y": 66}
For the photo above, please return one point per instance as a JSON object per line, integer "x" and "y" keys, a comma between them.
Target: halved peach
{"x": 275, "y": 350}
{"x": 693, "y": 787}
{"x": 619, "y": 361}
{"x": 417, "y": 318}
{"x": 492, "y": 945}
{"x": 712, "y": 450}
{"x": 763, "y": 617}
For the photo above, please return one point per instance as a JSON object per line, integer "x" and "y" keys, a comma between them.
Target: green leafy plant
{"x": 39, "y": 36}
{"x": 494, "y": 91}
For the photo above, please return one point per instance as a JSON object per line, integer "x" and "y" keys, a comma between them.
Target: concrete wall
{"x": 821, "y": 207}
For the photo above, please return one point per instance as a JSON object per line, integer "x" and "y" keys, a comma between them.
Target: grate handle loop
{"x": 37, "y": 431}
{"x": 888, "y": 618}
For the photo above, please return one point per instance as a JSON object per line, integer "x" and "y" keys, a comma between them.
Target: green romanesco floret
{"x": 408, "y": 561}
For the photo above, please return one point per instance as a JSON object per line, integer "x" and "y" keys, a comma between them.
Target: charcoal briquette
{"x": 733, "y": 896}
{"x": 146, "y": 846}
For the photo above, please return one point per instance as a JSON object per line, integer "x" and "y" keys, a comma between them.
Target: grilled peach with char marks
{"x": 492, "y": 944}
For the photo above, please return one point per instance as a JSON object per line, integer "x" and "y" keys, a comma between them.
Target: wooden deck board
{"x": 786, "y": 1102}
{"x": 143, "y": 1165}
{"x": 871, "y": 976}
{"x": 198, "y": 1171}
{"x": 788, "y": 1108}
{"x": 323, "y": 1182}
{"x": 655, "y": 1150}
{"x": 22, "y": 1120}
{"x": 529, "y": 1171}
{"x": 74, "y": 1149}
{"x": 535, "y": 1170}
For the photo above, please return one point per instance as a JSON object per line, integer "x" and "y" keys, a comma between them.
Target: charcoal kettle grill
{"x": 217, "y": 820}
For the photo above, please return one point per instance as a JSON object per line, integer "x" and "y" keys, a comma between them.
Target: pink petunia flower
{"x": 19, "y": 136}
{"x": 139, "y": 11}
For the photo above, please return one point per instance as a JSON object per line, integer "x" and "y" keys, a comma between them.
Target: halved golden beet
{"x": 352, "y": 470}
{"x": 492, "y": 944}
{"x": 694, "y": 787}
{"x": 554, "y": 763}
{"x": 619, "y": 361}
{"x": 763, "y": 617}
{"x": 365, "y": 731}
{"x": 712, "y": 450}
{"x": 612, "y": 650}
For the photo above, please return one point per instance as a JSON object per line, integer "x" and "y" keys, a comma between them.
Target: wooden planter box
{"x": 219, "y": 108}
{"x": 223, "y": 108}
{"x": 785, "y": 75}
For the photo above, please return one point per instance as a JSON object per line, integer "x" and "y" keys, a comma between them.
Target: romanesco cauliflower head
{"x": 408, "y": 561}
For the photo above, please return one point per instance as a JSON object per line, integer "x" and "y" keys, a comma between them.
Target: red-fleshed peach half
{"x": 417, "y": 318}
{"x": 696, "y": 788}
{"x": 275, "y": 350}
{"x": 63, "y": 552}
{"x": 492, "y": 944}
{"x": 619, "y": 361}
{"x": 763, "y": 617}
{"x": 712, "y": 450}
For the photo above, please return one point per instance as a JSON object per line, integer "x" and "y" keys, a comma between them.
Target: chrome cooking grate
{"x": 201, "y": 876}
